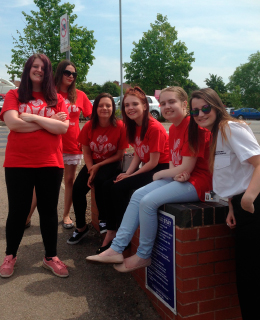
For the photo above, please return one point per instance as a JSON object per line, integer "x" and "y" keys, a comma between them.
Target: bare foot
{"x": 110, "y": 235}
{"x": 135, "y": 261}
{"x": 67, "y": 220}
{"x": 109, "y": 252}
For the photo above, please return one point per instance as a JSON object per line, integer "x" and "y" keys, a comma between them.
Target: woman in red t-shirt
{"x": 76, "y": 102}
{"x": 33, "y": 158}
{"x": 104, "y": 142}
{"x": 169, "y": 186}
{"x": 150, "y": 142}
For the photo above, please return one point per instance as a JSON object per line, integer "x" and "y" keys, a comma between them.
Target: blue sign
{"x": 161, "y": 274}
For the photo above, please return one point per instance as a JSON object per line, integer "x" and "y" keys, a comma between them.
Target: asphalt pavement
{"x": 91, "y": 291}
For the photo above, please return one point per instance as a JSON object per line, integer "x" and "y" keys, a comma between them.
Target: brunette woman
{"x": 103, "y": 141}
{"x": 150, "y": 142}
{"x": 235, "y": 162}
{"x": 33, "y": 158}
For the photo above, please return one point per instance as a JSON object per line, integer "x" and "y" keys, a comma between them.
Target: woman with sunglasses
{"x": 167, "y": 186}
{"x": 104, "y": 143}
{"x": 235, "y": 163}
{"x": 33, "y": 159}
{"x": 76, "y": 102}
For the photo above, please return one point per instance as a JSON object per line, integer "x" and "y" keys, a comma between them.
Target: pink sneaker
{"x": 56, "y": 266}
{"x": 7, "y": 268}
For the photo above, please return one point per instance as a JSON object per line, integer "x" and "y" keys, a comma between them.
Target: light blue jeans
{"x": 142, "y": 210}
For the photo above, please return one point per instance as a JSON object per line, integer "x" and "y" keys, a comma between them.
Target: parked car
{"x": 1, "y": 102}
{"x": 229, "y": 110}
{"x": 246, "y": 113}
{"x": 154, "y": 106}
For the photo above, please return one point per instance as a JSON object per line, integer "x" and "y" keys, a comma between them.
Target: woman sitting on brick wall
{"x": 104, "y": 143}
{"x": 150, "y": 141}
{"x": 235, "y": 162}
{"x": 166, "y": 187}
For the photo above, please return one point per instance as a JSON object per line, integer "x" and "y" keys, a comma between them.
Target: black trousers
{"x": 20, "y": 183}
{"x": 117, "y": 195}
{"x": 247, "y": 258}
{"x": 80, "y": 189}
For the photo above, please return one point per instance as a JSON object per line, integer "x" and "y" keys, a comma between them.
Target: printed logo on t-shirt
{"x": 101, "y": 148}
{"x": 140, "y": 149}
{"x": 176, "y": 157}
{"x": 71, "y": 108}
{"x": 34, "y": 107}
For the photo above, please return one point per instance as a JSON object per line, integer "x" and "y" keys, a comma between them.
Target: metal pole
{"x": 68, "y": 29}
{"x": 121, "y": 64}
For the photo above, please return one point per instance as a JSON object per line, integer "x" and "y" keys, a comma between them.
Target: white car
{"x": 154, "y": 106}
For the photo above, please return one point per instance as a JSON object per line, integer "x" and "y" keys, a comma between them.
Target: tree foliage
{"x": 216, "y": 83}
{"x": 247, "y": 77}
{"x": 92, "y": 90}
{"x": 158, "y": 60}
{"x": 42, "y": 34}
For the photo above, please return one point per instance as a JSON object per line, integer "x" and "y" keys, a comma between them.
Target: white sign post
{"x": 65, "y": 35}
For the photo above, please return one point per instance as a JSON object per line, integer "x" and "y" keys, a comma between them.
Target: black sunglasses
{"x": 205, "y": 109}
{"x": 67, "y": 73}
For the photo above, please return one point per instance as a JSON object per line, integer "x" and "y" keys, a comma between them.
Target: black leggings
{"x": 80, "y": 189}
{"x": 247, "y": 246}
{"x": 117, "y": 195}
{"x": 20, "y": 183}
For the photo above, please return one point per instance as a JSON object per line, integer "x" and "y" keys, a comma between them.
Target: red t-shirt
{"x": 155, "y": 140}
{"x": 33, "y": 149}
{"x": 69, "y": 139}
{"x": 200, "y": 177}
{"x": 103, "y": 142}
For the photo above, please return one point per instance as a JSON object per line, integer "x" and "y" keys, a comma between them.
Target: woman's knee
{"x": 148, "y": 205}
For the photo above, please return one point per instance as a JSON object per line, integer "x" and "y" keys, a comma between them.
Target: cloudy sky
{"x": 221, "y": 33}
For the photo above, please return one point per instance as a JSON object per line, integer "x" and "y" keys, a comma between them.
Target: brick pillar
{"x": 205, "y": 266}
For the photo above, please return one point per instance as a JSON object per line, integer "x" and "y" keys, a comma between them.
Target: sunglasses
{"x": 67, "y": 73}
{"x": 205, "y": 109}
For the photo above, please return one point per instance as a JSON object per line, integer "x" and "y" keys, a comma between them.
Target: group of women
{"x": 203, "y": 141}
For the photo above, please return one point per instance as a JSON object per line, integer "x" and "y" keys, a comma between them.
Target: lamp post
{"x": 121, "y": 67}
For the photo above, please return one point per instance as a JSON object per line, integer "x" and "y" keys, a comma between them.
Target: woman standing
{"x": 235, "y": 162}
{"x": 33, "y": 158}
{"x": 150, "y": 142}
{"x": 103, "y": 141}
{"x": 76, "y": 102}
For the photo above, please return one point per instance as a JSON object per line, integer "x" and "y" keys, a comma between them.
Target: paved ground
{"x": 91, "y": 291}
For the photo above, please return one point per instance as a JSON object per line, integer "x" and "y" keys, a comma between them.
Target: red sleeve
{"x": 86, "y": 104}
{"x": 11, "y": 102}
{"x": 157, "y": 140}
{"x": 85, "y": 134}
{"x": 123, "y": 143}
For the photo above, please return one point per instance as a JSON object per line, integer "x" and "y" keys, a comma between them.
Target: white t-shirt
{"x": 232, "y": 172}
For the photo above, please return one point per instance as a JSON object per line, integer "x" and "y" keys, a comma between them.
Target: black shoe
{"x": 77, "y": 236}
{"x": 102, "y": 226}
{"x": 102, "y": 249}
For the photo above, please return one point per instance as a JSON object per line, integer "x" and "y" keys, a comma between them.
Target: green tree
{"x": 158, "y": 59}
{"x": 42, "y": 34}
{"x": 216, "y": 83}
{"x": 91, "y": 90}
{"x": 111, "y": 88}
{"x": 190, "y": 86}
{"x": 247, "y": 77}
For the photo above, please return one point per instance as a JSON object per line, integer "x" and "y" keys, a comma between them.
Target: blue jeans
{"x": 142, "y": 210}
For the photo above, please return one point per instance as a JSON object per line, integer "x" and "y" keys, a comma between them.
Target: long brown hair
{"x": 221, "y": 122}
{"x": 48, "y": 88}
{"x": 72, "y": 94}
{"x": 130, "y": 124}
{"x": 94, "y": 115}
